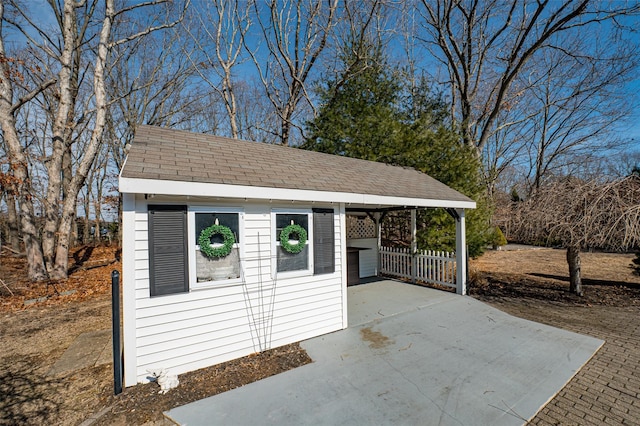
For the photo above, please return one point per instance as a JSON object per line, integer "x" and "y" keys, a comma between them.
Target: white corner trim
{"x": 200, "y": 189}
{"x": 343, "y": 266}
{"x": 129, "y": 288}
{"x": 461, "y": 253}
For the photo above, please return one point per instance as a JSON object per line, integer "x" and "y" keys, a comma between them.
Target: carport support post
{"x": 461, "y": 253}
{"x": 414, "y": 246}
{"x": 377, "y": 216}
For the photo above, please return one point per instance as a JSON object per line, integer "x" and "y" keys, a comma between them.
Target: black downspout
{"x": 115, "y": 316}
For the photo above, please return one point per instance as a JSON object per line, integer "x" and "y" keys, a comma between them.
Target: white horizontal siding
{"x": 158, "y": 314}
{"x": 141, "y": 245}
{"x": 307, "y": 290}
{"x": 153, "y": 333}
{"x": 179, "y": 361}
{"x": 141, "y": 253}
{"x": 330, "y": 323}
{"x": 188, "y": 344}
{"x": 142, "y": 264}
{"x": 142, "y": 274}
{"x": 288, "y": 317}
{"x": 308, "y": 328}
{"x": 254, "y": 274}
{"x": 210, "y": 325}
{"x": 254, "y": 242}
{"x": 142, "y": 224}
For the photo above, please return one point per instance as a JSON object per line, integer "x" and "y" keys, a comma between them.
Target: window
{"x": 207, "y": 269}
{"x": 287, "y": 261}
{"x": 318, "y": 254}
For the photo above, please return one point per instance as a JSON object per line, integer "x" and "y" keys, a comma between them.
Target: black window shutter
{"x": 324, "y": 259}
{"x": 168, "y": 267}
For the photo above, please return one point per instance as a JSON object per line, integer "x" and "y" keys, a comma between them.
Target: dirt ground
{"x": 542, "y": 275}
{"x": 34, "y": 336}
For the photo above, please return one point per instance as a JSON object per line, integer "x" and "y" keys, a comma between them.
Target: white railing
{"x": 437, "y": 267}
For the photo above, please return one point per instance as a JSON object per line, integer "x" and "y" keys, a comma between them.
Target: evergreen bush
{"x": 368, "y": 113}
{"x": 498, "y": 238}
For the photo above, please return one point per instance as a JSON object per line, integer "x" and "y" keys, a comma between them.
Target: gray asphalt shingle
{"x": 166, "y": 154}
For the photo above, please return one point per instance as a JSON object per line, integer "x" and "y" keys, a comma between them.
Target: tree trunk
{"x": 230, "y": 101}
{"x": 284, "y": 137}
{"x": 60, "y": 269}
{"x": 573, "y": 259}
{"x": 60, "y": 132}
{"x": 18, "y": 164}
{"x": 85, "y": 220}
{"x": 75, "y": 239}
{"x": 99, "y": 224}
{"x": 35, "y": 260}
{"x": 13, "y": 234}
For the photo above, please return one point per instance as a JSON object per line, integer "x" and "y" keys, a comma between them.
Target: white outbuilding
{"x": 233, "y": 247}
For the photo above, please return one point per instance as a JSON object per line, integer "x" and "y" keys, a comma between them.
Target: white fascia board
{"x": 200, "y": 189}
{"x": 384, "y": 200}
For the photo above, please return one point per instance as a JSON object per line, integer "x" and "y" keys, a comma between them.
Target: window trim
{"x": 275, "y": 244}
{"x": 193, "y": 244}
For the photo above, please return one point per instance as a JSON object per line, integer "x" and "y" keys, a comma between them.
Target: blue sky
{"x": 630, "y": 131}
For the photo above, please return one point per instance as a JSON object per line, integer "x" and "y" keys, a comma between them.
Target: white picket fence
{"x": 437, "y": 267}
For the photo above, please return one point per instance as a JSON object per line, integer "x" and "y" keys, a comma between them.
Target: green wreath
{"x": 302, "y": 238}
{"x": 204, "y": 241}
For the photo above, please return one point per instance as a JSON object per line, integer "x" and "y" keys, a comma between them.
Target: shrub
{"x": 498, "y": 239}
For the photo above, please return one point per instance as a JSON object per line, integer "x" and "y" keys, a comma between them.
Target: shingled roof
{"x": 167, "y": 155}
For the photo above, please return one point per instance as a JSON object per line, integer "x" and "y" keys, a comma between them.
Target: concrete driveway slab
{"x": 87, "y": 350}
{"x": 444, "y": 361}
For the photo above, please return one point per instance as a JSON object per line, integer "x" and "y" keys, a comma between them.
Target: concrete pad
{"x": 451, "y": 360}
{"x": 87, "y": 350}
{"x": 380, "y": 299}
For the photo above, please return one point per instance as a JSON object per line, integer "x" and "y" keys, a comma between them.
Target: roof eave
{"x": 201, "y": 189}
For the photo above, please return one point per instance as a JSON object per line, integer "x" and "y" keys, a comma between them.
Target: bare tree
{"x": 12, "y": 235}
{"x": 487, "y": 45}
{"x": 75, "y": 55}
{"x": 218, "y": 28}
{"x": 620, "y": 164}
{"x": 579, "y": 104}
{"x": 105, "y": 44}
{"x": 148, "y": 83}
{"x": 18, "y": 163}
{"x": 581, "y": 215}
{"x": 294, "y": 33}
{"x": 10, "y": 223}
{"x": 257, "y": 120}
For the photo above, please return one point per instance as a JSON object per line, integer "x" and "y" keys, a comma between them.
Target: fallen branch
{"x": 11, "y": 250}
{"x": 6, "y": 286}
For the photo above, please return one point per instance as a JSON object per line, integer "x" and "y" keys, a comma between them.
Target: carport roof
{"x": 175, "y": 162}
